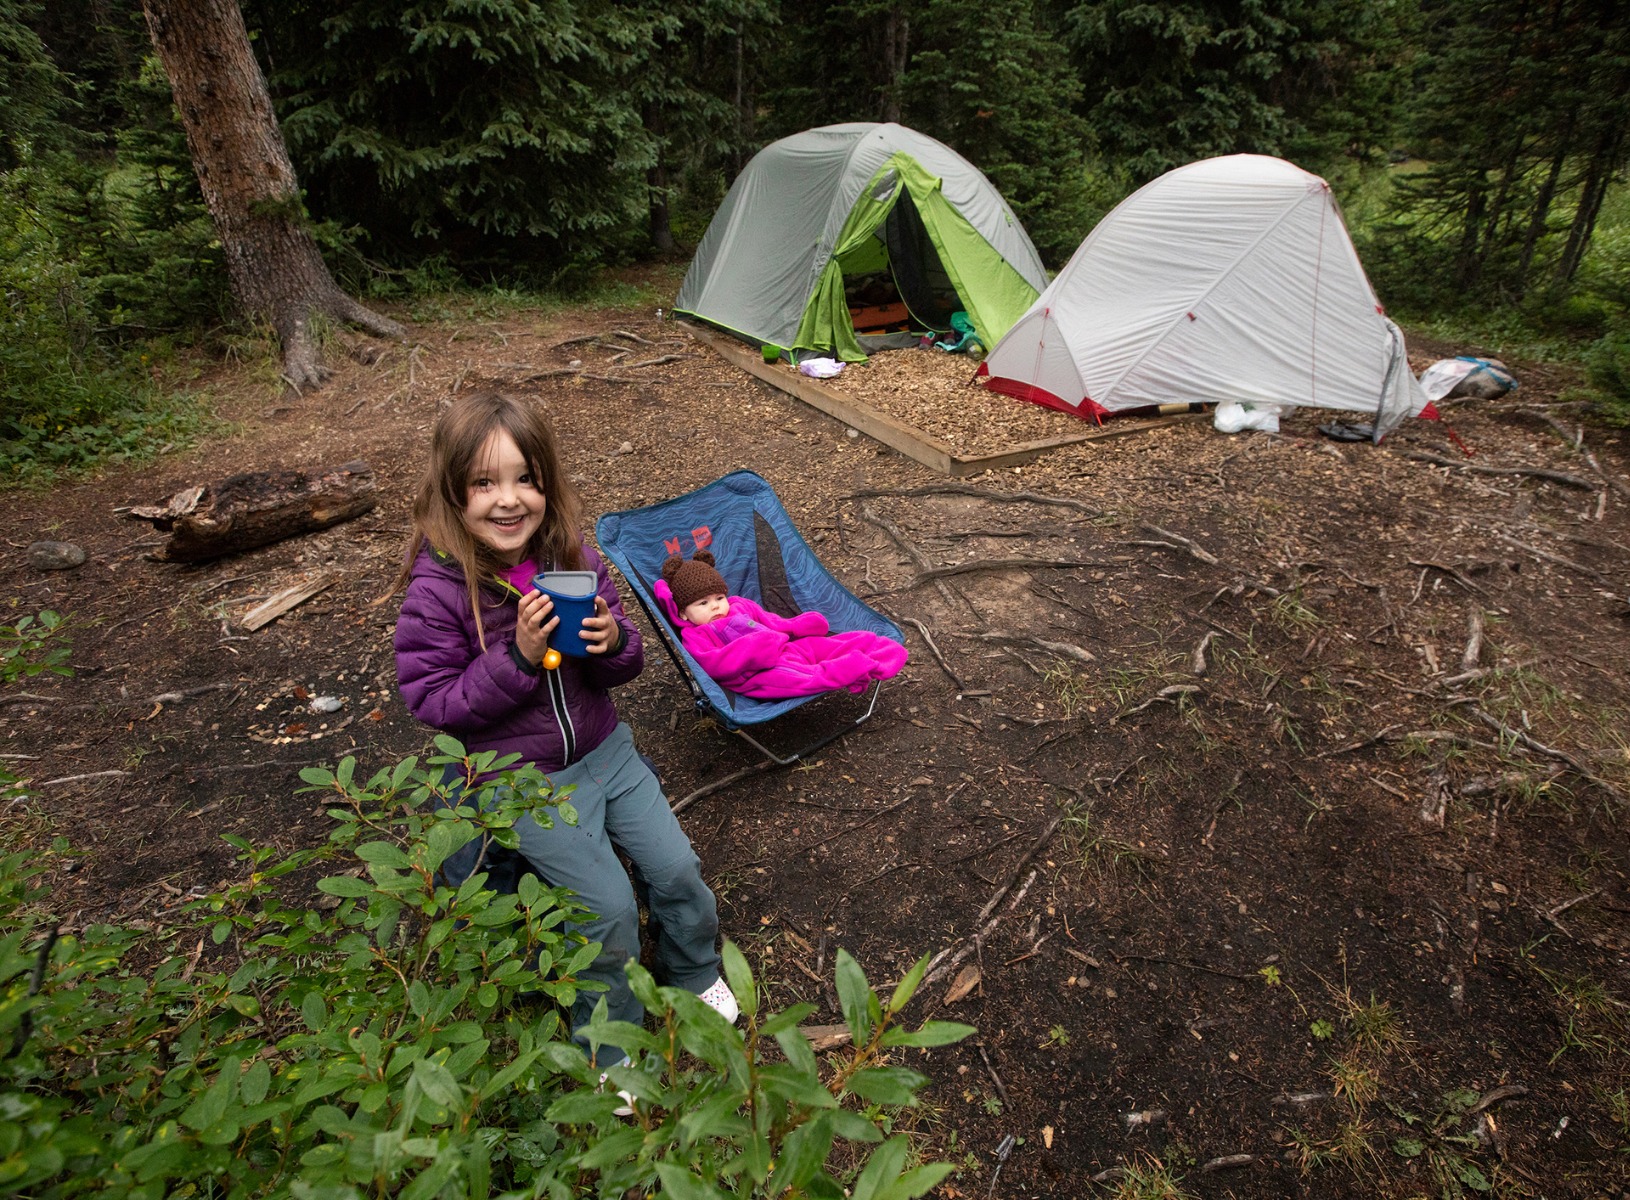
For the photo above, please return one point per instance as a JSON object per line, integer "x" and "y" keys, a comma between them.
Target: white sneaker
{"x": 626, "y": 1108}
{"x": 721, "y": 1000}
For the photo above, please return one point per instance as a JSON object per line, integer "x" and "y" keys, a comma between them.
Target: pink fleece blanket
{"x": 757, "y": 653}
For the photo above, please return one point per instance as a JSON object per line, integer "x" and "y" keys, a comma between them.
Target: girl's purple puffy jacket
{"x": 493, "y": 699}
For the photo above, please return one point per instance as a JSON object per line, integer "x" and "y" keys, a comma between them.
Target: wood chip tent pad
{"x": 763, "y": 557}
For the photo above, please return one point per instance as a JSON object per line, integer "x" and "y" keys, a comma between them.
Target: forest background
{"x": 1477, "y": 148}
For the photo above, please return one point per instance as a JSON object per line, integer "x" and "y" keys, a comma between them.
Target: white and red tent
{"x": 1230, "y": 279}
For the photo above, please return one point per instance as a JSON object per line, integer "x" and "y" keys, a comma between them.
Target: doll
{"x": 757, "y": 653}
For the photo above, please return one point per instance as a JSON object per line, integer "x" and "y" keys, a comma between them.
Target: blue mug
{"x": 573, "y": 593}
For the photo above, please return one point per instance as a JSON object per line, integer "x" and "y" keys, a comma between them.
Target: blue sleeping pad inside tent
{"x": 761, "y": 555}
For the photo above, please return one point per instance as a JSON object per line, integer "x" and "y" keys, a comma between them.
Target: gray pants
{"x": 620, "y": 804}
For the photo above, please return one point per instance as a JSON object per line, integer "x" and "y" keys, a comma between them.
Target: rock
{"x": 55, "y": 556}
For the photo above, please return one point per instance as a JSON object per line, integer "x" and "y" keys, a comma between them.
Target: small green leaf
{"x": 1408, "y": 1147}
{"x": 907, "y": 987}
{"x": 932, "y": 1033}
{"x": 344, "y": 885}
{"x": 887, "y": 1085}
{"x": 681, "y": 1184}
{"x": 740, "y": 978}
{"x": 437, "y": 1083}
{"x": 1321, "y": 1029}
{"x": 853, "y": 995}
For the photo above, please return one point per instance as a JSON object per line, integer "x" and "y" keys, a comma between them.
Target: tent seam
{"x": 1217, "y": 282}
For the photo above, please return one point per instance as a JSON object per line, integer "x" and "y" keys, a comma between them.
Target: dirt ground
{"x": 1296, "y": 771}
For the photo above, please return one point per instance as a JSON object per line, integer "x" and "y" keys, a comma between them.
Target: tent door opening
{"x": 920, "y": 278}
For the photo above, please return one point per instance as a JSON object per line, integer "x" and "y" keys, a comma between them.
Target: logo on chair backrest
{"x": 701, "y": 538}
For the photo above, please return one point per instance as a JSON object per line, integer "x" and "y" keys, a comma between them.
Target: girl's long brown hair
{"x": 439, "y": 503}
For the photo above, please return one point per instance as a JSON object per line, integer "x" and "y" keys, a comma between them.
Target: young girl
{"x": 493, "y": 509}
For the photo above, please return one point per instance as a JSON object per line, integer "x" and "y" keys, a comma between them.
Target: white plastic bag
{"x": 1233, "y": 416}
{"x": 820, "y": 368}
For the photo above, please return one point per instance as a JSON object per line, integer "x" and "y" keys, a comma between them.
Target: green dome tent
{"x": 832, "y": 206}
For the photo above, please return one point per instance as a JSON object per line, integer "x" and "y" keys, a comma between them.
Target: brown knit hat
{"x": 694, "y": 580}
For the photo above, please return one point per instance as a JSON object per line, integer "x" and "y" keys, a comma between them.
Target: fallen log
{"x": 257, "y": 508}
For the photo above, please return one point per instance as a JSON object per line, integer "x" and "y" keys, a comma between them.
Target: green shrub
{"x": 26, "y": 647}
{"x": 1608, "y": 369}
{"x": 410, "y": 1041}
{"x": 68, "y": 398}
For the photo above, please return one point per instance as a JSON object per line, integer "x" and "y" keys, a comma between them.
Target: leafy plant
{"x": 410, "y": 1041}
{"x": 21, "y": 647}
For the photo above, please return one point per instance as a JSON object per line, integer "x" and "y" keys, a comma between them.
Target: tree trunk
{"x": 1540, "y": 215}
{"x": 656, "y": 182}
{"x": 249, "y": 186}
{"x": 244, "y": 511}
{"x": 896, "y": 48}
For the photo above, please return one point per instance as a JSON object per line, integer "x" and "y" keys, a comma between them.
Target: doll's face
{"x": 707, "y": 609}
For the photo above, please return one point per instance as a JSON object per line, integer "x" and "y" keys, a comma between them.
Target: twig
{"x": 657, "y": 361}
{"x": 1573, "y": 763}
{"x": 1002, "y": 564}
{"x": 1046, "y": 835}
{"x": 89, "y": 775}
{"x": 1063, "y": 649}
{"x": 1379, "y": 736}
{"x": 634, "y": 337}
{"x": 1554, "y": 913}
{"x": 938, "y": 657}
{"x": 1228, "y": 794}
{"x": 1592, "y": 572}
{"x": 950, "y": 594}
{"x": 948, "y": 958}
{"x": 1001, "y": 1088}
{"x": 1197, "y": 661}
{"x": 881, "y": 813}
{"x": 1176, "y": 962}
{"x": 1174, "y": 541}
{"x": 1474, "y": 639}
{"x": 1562, "y": 477}
{"x": 708, "y": 789}
{"x": 1452, "y": 573}
{"x": 1507, "y": 1092}
{"x": 968, "y": 489}
{"x": 1166, "y": 695}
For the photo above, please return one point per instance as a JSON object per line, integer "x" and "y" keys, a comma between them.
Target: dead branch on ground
{"x": 1198, "y": 664}
{"x": 1539, "y": 747}
{"x": 1001, "y": 564}
{"x": 938, "y": 657}
{"x": 1473, "y": 654}
{"x": 1166, "y": 695}
{"x": 968, "y": 489}
{"x": 1562, "y": 477}
{"x": 918, "y": 559}
{"x": 1001, "y": 637}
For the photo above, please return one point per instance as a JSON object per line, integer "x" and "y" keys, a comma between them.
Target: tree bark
{"x": 273, "y": 264}
{"x": 896, "y": 53}
{"x": 656, "y": 181}
{"x": 255, "y": 509}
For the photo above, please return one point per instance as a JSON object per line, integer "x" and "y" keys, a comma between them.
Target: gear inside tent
{"x": 1230, "y": 280}
{"x": 846, "y": 239}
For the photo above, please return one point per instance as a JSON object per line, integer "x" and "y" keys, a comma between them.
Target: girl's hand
{"x": 600, "y": 631}
{"x": 533, "y": 625}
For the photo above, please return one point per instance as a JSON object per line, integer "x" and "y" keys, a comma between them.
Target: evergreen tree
{"x": 989, "y": 78}
{"x": 1170, "y": 83}
{"x": 503, "y": 133}
{"x": 1521, "y": 110}
{"x": 35, "y": 95}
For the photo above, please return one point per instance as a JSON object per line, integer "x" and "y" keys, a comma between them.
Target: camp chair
{"x": 761, "y": 556}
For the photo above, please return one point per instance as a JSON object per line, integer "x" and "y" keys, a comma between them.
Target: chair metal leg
{"x": 877, "y": 690}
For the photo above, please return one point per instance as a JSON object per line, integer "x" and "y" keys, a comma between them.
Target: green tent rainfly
{"x": 829, "y": 206}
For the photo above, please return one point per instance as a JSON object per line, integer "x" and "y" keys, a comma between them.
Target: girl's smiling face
{"x": 504, "y": 503}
